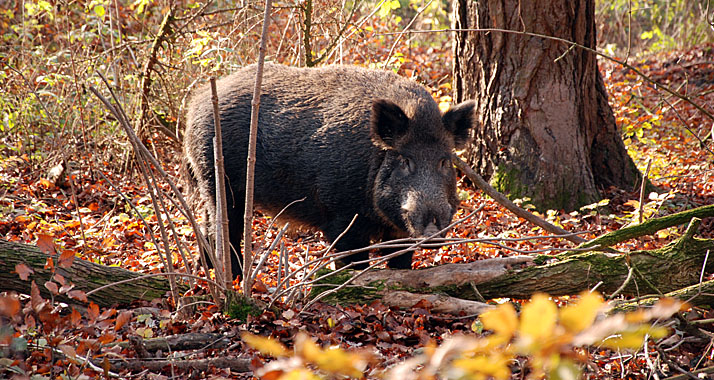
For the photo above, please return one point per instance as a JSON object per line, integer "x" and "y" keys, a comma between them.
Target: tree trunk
{"x": 83, "y": 274}
{"x": 546, "y": 130}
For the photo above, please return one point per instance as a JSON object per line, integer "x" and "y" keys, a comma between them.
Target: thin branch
{"x": 500, "y": 198}
{"x": 249, "y": 179}
{"x": 405, "y": 30}
{"x": 591, "y": 50}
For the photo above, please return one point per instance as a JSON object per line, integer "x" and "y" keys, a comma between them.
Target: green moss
{"x": 239, "y": 307}
{"x": 507, "y": 179}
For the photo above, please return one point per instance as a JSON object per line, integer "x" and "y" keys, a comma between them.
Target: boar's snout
{"x": 425, "y": 217}
{"x": 430, "y": 230}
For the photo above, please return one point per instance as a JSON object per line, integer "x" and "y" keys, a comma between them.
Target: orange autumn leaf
{"x": 23, "y": 271}
{"x": 46, "y": 243}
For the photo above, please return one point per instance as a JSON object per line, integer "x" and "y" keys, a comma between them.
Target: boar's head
{"x": 414, "y": 187}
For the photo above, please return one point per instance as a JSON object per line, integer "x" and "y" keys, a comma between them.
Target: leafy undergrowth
{"x": 44, "y": 338}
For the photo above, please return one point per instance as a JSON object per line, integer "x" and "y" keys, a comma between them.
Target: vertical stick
{"x": 249, "y": 179}
{"x": 223, "y": 254}
{"x": 642, "y": 189}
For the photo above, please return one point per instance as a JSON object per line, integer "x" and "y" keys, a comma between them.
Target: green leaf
{"x": 100, "y": 11}
{"x": 387, "y": 7}
{"x": 140, "y": 5}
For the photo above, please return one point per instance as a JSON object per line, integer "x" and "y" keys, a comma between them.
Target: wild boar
{"x": 349, "y": 140}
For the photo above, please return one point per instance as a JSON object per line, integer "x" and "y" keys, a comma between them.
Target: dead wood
{"x": 404, "y": 288}
{"x": 181, "y": 342}
{"x": 659, "y": 271}
{"x": 477, "y": 180}
{"x": 83, "y": 274}
{"x": 235, "y": 364}
{"x": 649, "y": 227}
{"x": 437, "y": 303}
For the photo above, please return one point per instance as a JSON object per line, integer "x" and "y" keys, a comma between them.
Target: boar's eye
{"x": 406, "y": 165}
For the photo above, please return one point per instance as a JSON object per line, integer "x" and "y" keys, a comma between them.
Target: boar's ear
{"x": 388, "y": 123}
{"x": 458, "y": 120}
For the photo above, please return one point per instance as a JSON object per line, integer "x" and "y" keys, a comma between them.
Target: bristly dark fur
{"x": 347, "y": 139}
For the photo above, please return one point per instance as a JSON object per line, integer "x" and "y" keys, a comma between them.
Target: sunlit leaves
{"x": 538, "y": 318}
{"x": 502, "y": 320}
{"x": 544, "y": 333}
{"x": 266, "y": 346}
{"x": 41, "y": 7}
{"x": 98, "y": 7}
{"x": 634, "y": 338}
{"x": 140, "y": 5}
{"x": 581, "y": 315}
{"x": 387, "y": 7}
{"x": 494, "y": 365}
{"x": 333, "y": 361}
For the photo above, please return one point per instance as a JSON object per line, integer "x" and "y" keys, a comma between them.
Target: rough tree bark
{"x": 546, "y": 129}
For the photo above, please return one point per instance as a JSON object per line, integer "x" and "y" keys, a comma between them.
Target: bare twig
{"x": 643, "y": 187}
{"x": 405, "y": 30}
{"x": 249, "y": 179}
{"x": 267, "y": 252}
{"x": 223, "y": 251}
{"x": 500, "y": 198}
{"x": 591, "y": 50}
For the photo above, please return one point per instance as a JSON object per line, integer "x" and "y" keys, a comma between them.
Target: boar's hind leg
{"x": 235, "y": 233}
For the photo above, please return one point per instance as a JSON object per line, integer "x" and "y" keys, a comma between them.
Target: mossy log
{"x": 697, "y": 294}
{"x": 83, "y": 274}
{"x": 649, "y": 227}
{"x": 638, "y": 273}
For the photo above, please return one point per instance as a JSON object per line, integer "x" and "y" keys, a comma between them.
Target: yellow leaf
{"x": 482, "y": 366}
{"x": 538, "y": 317}
{"x": 333, "y": 361}
{"x": 578, "y": 317}
{"x": 266, "y": 346}
{"x": 634, "y": 339}
{"x": 444, "y": 106}
{"x": 502, "y": 320}
{"x": 565, "y": 370}
{"x": 299, "y": 374}
{"x": 145, "y": 332}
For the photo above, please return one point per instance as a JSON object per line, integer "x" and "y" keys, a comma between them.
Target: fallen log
{"x": 675, "y": 266}
{"x": 649, "y": 227}
{"x": 83, "y": 274}
{"x": 235, "y": 364}
{"x": 672, "y": 267}
{"x": 182, "y": 342}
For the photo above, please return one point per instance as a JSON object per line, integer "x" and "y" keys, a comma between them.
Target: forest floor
{"x": 656, "y": 127}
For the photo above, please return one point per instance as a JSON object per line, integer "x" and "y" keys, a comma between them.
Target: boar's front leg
{"x": 358, "y": 236}
{"x": 403, "y": 261}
